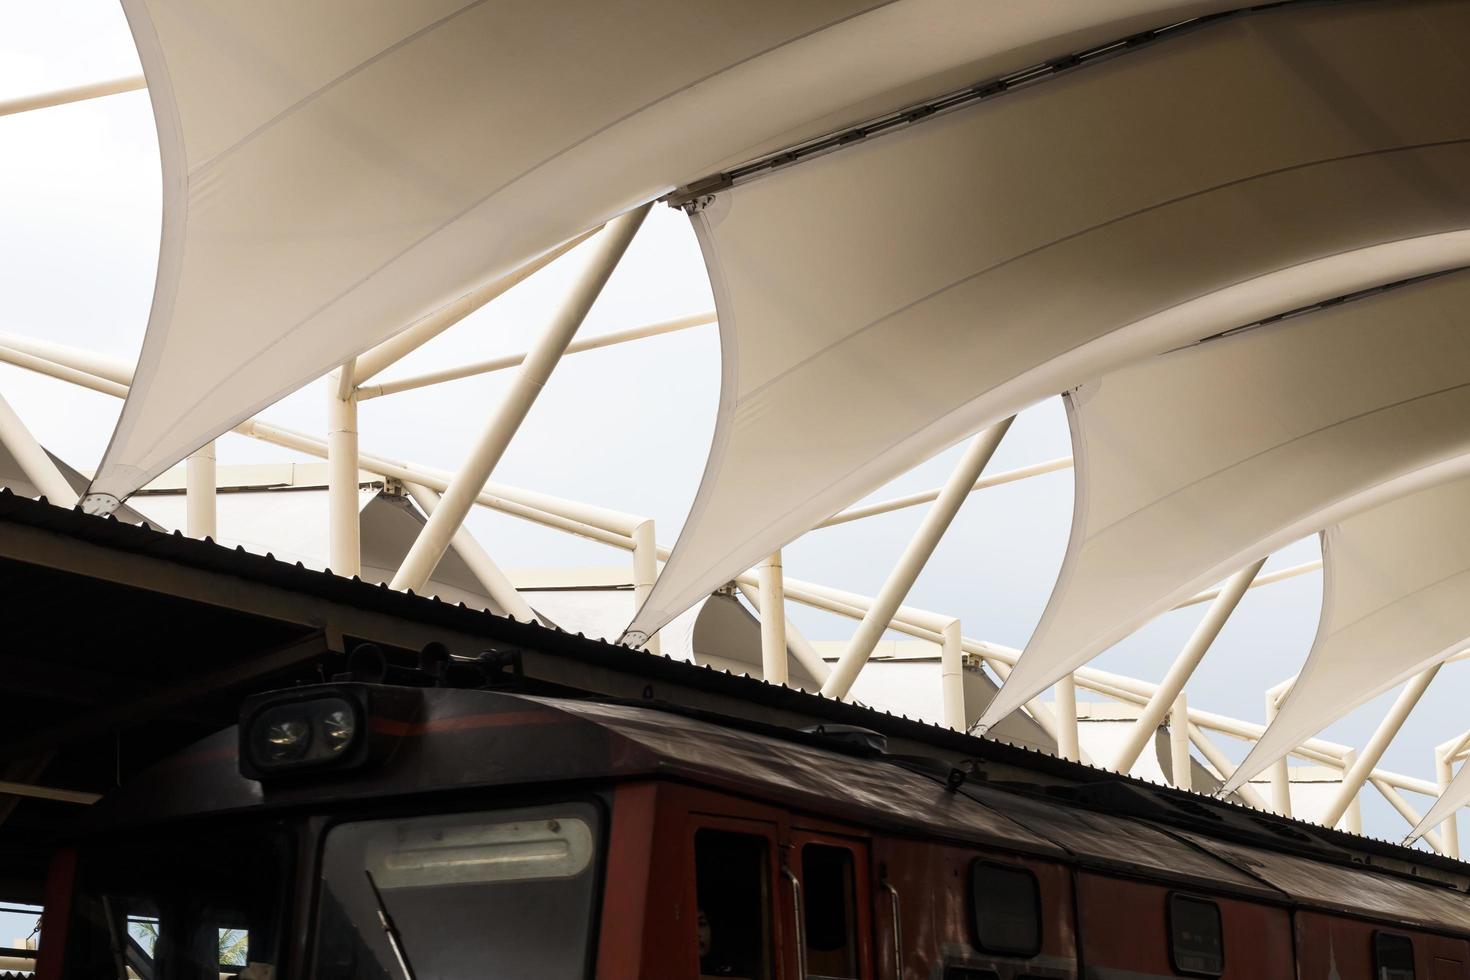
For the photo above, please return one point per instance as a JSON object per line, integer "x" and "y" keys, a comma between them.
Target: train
{"x": 452, "y": 819}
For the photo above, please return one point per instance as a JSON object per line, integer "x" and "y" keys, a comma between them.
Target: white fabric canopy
{"x": 336, "y": 169}
{"x": 1455, "y": 795}
{"x": 1395, "y": 600}
{"x": 1191, "y": 465}
{"x": 880, "y": 303}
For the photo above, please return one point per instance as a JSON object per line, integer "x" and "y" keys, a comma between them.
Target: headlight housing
{"x": 301, "y": 732}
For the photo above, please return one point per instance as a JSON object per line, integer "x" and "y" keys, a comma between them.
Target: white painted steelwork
{"x": 1193, "y": 294}
{"x": 911, "y": 562}
{"x": 201, "y": 521}
{"x": 1171, "y": 688}
{"x": 467, "y": 484}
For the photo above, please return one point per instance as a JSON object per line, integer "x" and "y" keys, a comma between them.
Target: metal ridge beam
{"x": 696, "y": 193}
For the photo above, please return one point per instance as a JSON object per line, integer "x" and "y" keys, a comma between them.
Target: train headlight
{"x": 286, "y": 739}
{"x": 338, "y": 728}
{"x": 299, "y": 733}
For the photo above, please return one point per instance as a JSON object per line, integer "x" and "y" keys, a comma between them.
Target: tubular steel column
{"x": 38, "y": 467}
{"x": 200, "y": 485}
{"x": 911, "y": 563}
{"x": 1356, "y": 775}
{"x": 1189, "y": 658}
{"x": 952, "y": 676}
{"x": 1449, "y": 832}
{"x": 1280, "y": 769}
{"x": 1068, "y": 744}
{"x": 344, "y": 523}
{"x": 1038, "y": 710}
{"x": 1223, "y": 767}
{"x": 423, "y": 330}
{"x": 497, "y": 586}
{"x": 1352, "y": 819}
{"x": 460, "y": 495}
{"x": 1410, "y": 815}
{"x": 774, "y": 667}
{"x": 797, "y": 645}
{"x": 78, "y": 93}
{"x": 1179, "y": 760}
{"x": 645, "y": 571}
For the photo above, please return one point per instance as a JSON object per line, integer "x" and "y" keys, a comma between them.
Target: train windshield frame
{"x": 493, "y": 892}
{"x": 195, "y": 906}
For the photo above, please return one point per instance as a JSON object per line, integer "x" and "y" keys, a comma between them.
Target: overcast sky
{"x": 627, "y": 427}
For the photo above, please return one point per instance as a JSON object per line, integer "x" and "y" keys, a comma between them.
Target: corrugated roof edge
{"x": 265, "y": 570}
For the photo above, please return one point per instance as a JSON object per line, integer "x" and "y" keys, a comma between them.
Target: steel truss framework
{"x": 447, "y": 498}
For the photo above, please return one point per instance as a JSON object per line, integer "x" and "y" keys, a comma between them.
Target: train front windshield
{"x": 502, "y": 893}
{"x": 186, "y": 907}
{"x": 494, "y": 894}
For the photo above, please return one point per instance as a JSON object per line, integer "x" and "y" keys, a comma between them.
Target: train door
{"x": 829, "y": 901}
{"x": 737, "y": 878}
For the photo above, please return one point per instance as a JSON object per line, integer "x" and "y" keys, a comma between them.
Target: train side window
{"x": 733, "y": 891}
{"x": 829, "y": 881}
{"x": 1005, "y": 909}
{"x": 1393, "y": 957}
{"x": 1196, "y": 939}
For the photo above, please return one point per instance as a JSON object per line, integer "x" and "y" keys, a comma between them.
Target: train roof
{"x": 452, "y": 740}
{"x": 267, "y": 623}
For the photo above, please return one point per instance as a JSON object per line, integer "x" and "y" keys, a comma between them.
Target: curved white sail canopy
{"x": 1395, "y": 600}
{"x": 1191, "y": 465}
{"x": 337, "y": 169}
{"x": 1454, "y": 796}
{"x": 879, "y": 303}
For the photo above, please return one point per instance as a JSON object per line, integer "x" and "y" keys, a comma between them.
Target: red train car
{"x": 352, "y": 830}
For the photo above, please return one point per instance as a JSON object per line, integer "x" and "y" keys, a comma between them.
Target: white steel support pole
{"x": 344, "y": 523}
{"x": 1039, "y": 712}
{"x": 1396, "y": 800}
{"x": 467, "y": 484}
{"x": 952, "y": 676}
{"x": 1189, "y": 658}
{"x": 911, "y": 563}
{"x": 773, "y": 620}
{"x": 1179, "y": 760}
{"x": 200, "y": 520}
{"x": 1352, "y": 819}
{"x": 1357, "y": 774}
{"x": 513, "y": 360}
{"x": 486, "y": 572}
{"x": 1280, "y": 770}
{"x": 915, "y": 499}
{"x": 797, "y": 645}
{"x": 1223, "y": 767}
{"x": 79, "y": 93}
{"x": 38, "y": 467}
{"x": 645, "y": 572}
{"x": 1068, "y": 744}
{"x": 1449, "y": 831}
{"x": 425, "y": 329}
{"x": 1270, "y": 578}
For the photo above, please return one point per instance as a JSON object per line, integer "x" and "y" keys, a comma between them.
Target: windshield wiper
{"x": 395, "y": 941}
